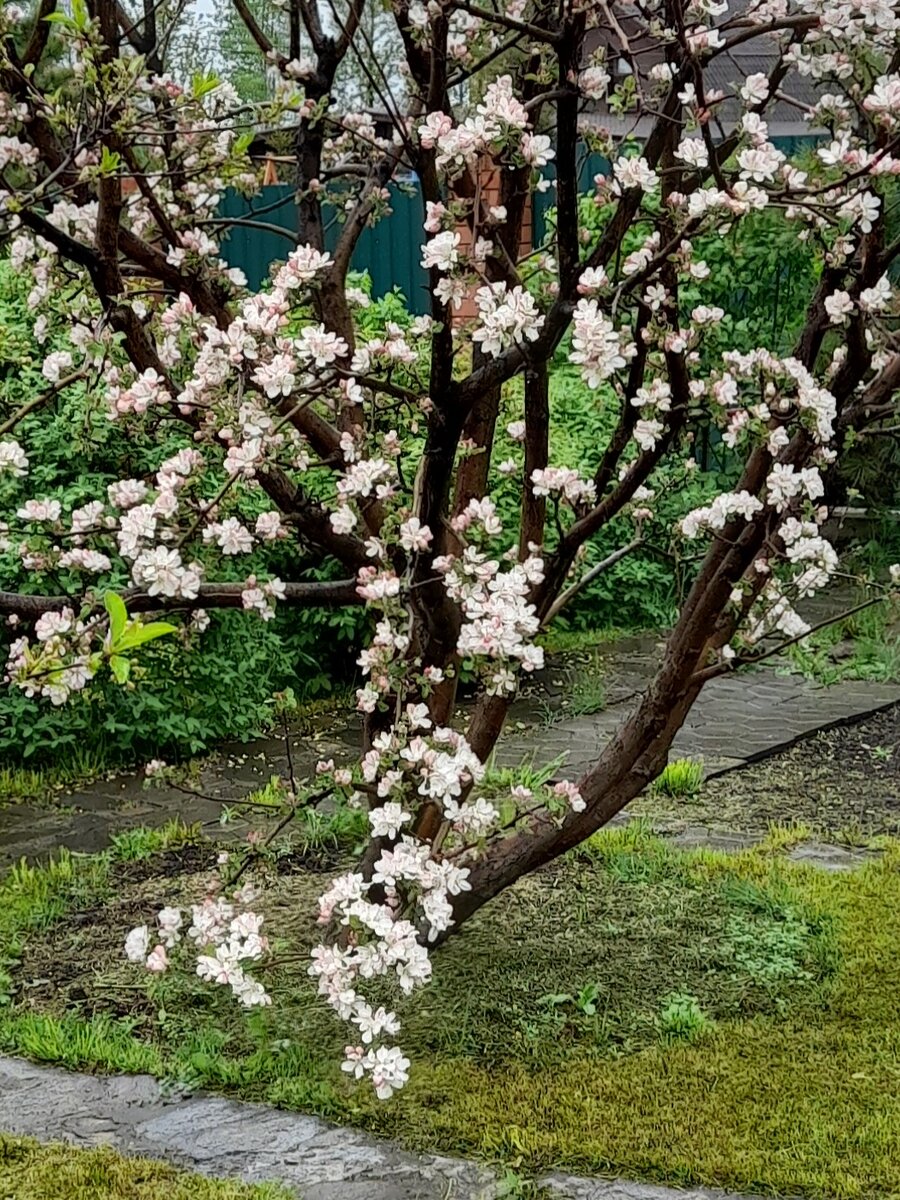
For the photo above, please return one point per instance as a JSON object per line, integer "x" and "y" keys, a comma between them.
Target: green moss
{"x": 30, "y": 1171}
{"x": 805, "y": 1102}
{"x": 787, "y": 1081}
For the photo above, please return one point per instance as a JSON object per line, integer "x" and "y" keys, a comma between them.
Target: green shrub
{"x": 191, "y": 692}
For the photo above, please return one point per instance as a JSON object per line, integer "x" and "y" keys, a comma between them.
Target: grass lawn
{"x": 688, "y": 1017}
{"x": 31, "y": 1171}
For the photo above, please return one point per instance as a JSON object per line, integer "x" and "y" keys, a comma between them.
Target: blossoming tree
{"x": 377, "y": 453}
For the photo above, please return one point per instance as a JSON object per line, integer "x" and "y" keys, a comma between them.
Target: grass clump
{"x": 134, "y": 845}
{"x": 681, "y": 778}
{"x": 80, "y": 767}
{"x": 584, "y": 697}
{"x": 99, "y": 1043}
{"x": 31, "y": 1171}
{"x": 696, "y": 1018}
{"x": 682, "y": 1019}
{"x": 865, "y": 645}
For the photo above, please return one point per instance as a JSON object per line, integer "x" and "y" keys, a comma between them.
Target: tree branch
{"x": 588, "y": 578}
{"x": 211, "y": 595}
{"x": 39, "y": 34}
{"x": 40, "y": 400}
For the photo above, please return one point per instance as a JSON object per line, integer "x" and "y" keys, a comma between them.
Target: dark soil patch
{"x": 317, "y": 862}
{"x": 184, "y": 860}
{"x": 67, "y": 971}
{"x": 77, "y": 964}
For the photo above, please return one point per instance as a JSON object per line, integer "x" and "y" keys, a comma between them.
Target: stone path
{"x": 826, "y": 856}
{"x": 213, "y": 1136}
{"x": 737, "y": 720}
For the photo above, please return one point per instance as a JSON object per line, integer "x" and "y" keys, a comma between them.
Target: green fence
{"x": 589, "y": 166}
{"x": 390, "y": 251}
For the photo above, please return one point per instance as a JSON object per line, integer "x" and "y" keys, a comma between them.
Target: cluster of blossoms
{"x": 260, "y": 597}
{"x": 499, "y": 622}
{"x": 506, "y": 318}
{"x": 13, "y": 459}
{"x": 715, "y": 516}
{"x": 597, "y": 347}
{"x": 223, "y": 935}
{"x": 411, "y": 763}
{"x": 385, "y": 921}
{"x": 499, "y": 126}
{"x": 564, "y": 481}
{"x": 792, "y": 403}
{"x": 58, "y": 661}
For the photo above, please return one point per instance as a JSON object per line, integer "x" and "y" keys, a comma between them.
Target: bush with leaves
{"x": 184, "y": 697}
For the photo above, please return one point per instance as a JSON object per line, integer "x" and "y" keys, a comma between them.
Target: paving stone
{"x": 620, "y": 1189}
{"x": 694, "y": 837}
{"x": 831, "y": 858}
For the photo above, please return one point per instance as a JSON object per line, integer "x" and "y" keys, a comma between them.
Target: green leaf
{"x": 118, "y": 616}
{"x": 138, "y": 634}
{"x": 110, "y": 161}
{"x": 202, "y": 85}
{"x": 507, "y": 810}
{"x": 120, "y": 667}
{"x": 242, "y": 144}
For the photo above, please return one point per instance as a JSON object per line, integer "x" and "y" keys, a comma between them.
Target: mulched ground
{"x": 844, "y": 784}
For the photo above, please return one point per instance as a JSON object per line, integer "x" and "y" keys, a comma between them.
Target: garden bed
{"x": 841, "y": 785}
{"x": 692, "y": 1017}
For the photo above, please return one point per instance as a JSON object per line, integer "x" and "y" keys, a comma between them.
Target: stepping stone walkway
{"x": 214, "y": 1136}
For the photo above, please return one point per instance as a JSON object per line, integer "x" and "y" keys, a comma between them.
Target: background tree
{"x": 240, "y": 59}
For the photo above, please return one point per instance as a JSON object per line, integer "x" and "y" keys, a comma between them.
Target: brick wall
{"x": 490, "y": 193}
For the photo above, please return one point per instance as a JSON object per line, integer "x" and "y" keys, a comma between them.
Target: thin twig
{"x": 571, "y": 592}
{"x": 40, "y": 400}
